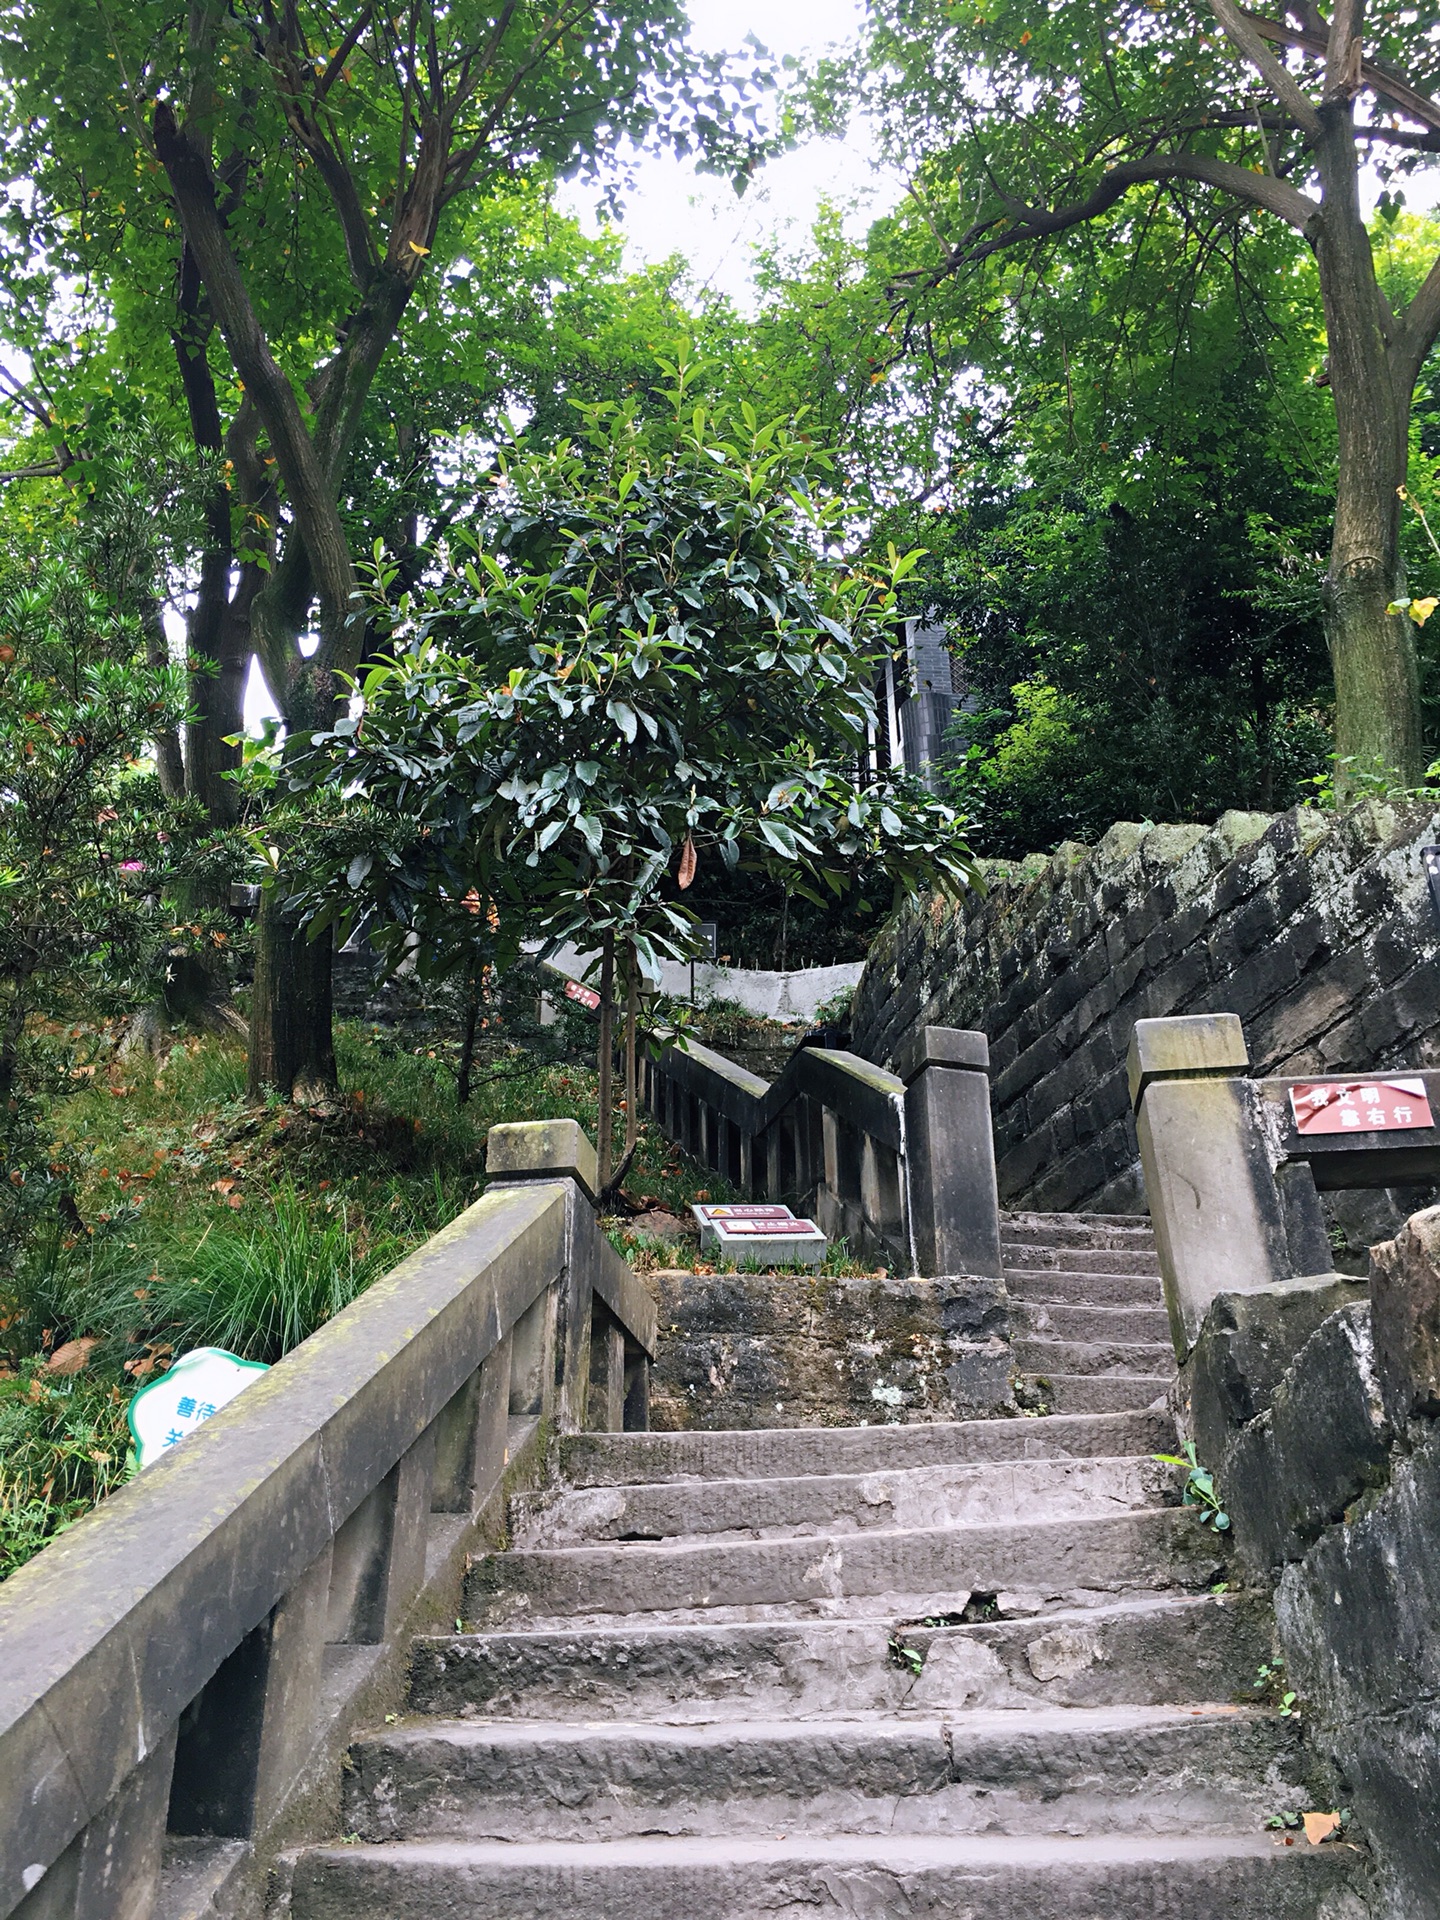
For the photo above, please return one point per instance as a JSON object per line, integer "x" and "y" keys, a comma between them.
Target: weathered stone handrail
{"x": 902, "y": 1162}
{"x": 178, "y": 1661}
{"x": 1233, "y": 1185}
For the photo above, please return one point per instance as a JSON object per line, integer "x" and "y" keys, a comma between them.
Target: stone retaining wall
{"x": 1315, "y": 1406}
{"x": 805, "y": 1350}
{"x": 1315, "y": 928}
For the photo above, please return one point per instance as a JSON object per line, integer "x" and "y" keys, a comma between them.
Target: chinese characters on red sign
{"x": 770, "y": 1229}
{"x": 1359, "y": 1106}
{"x": 587, "y": 996}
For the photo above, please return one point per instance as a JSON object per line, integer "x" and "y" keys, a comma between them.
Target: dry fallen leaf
{"x": 1320, "y": 1826}
{"x": 71, "y": 1357}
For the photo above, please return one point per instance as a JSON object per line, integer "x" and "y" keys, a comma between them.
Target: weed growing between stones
{"x": 1269, "y": 1685}
{"x": 907, "y": 1658}
{"x": 1199, "y": 1490}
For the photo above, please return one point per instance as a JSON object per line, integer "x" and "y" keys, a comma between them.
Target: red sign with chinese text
{"x": 1359, "y": 1106}
{"x": 775, "y": 1228}
{"x": 587, "y": 996}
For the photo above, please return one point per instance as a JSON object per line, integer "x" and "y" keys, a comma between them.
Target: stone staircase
{"x": 1090, "y": 1330}
{"x": 977, "y": 1670}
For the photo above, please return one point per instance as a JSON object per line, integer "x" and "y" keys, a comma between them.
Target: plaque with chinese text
{"x": 1359, "y": 1106}
{"x": 197, "y": 1386}
{"x": 753, "y": 1231}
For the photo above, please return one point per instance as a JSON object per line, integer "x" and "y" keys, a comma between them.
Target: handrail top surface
{"x": 771, "y": 1097}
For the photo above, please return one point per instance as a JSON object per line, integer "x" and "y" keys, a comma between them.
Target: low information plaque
{"x": 753, "y": 1232}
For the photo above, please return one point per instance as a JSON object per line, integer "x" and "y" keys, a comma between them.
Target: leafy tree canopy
{"x": 645, "y": 656}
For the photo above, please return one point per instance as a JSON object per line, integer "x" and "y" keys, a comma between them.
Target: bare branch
{"x": 342, "y": 53}
{"x": 1402, "y": 137}
{"x": 45, "y": 470}
{"x": 1240, "y": 29}
{"x": 311, "y": 499}
{"x": 994, "y": 236}
{"x": 1344, "y": 56}
{"x": 292, "y": 75}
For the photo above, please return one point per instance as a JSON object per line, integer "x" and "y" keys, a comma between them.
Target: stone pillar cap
{"x": 942, "y": 1047}
{"x": 1199, "y": 1046}
{"x": 542, "y": 1150}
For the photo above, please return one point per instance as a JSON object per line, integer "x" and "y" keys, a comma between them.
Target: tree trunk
{"x": 632, "y": 1076}
{"x": 1372, "y": 652}
{"x": 292, "y": 1048}
{"x": 168, "y": 761}
{"x": 218, "y": 702}
{"x": 292, "y": 1041}
{"x": 467, "y": 1044}
{"x": 606, "y": 1061}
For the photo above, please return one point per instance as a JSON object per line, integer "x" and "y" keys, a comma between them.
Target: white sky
{"x": 679, "y": 211}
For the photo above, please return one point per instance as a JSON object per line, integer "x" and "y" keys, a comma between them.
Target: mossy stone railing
{"x": 180, "y": 1671}
{"x": 898, "y": 1163}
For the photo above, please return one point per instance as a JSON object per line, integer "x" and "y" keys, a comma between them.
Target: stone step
{"x": 1038, "y": 1256}
{"x": 1160, "y": 1548}
{"x": 627, "y": 1459}
{"x": 1032, "y": 1216}
{"x": 1143, "y": 1652}
{"x": 1049, "y": 1770}
{"x": 994, "y": 1491}
{"x": 1078, "y": 1229}
{"x": 1250, "y": 1876}
{"x": 1047, "y": 1356}
{"x": 1061, "y": 1321}
{"x": 1072, "y": 1393}
{"x": 1085, "y": 1289}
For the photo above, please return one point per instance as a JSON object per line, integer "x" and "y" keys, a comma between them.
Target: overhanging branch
{"x": 1420, "y": 328}
{"x": 998, "y": 235}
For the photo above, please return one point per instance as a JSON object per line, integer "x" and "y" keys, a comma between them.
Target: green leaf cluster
{"x": 648, "y": 643}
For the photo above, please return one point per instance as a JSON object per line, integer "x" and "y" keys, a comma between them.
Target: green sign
{"x": 199, "y": 1384}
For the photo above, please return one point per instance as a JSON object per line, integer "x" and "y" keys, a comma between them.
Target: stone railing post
{"x": 1220, "y": 1223}
{"x": 525, "y": 1150}
{"x": 581, "y": 1354}
{"x": 954, "y": 1208}
{"x": 245, "y": 1739}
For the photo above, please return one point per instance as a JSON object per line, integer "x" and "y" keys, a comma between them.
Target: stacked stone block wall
{"x": 1316, "y": 1405}
{"x": 1315, "y": 928}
